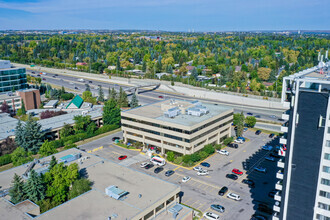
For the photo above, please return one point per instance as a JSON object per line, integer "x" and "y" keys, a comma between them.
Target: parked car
{"x": 158, "y": 169}
{"x": 224, "y": 152}
{"x": 275, "y": 155}
{"x": 90, "y": 81}
{"x": 260, "y": 169}
{"x": 232, "y": 176}
{"x": 280, "y": 119}
{"x": 143, "y": 165}
{"x": 267, "y": 147}
{"x": 272, "y": 193}
{"x": 115, "y": 138}
{"x": 258, "y": 132}
{"x": 245, "y": 129}
{"x": 150, "y": 165}
{"x": 239, "y": 141}
{"x": 205, "y": 164}
{"x": 223, "y": 191}
{"x": 258, "y": 217}
{"x": 211, "y": 216}
{"x": 269, "y": 158}
{"x": 257, "y": 116}
{"x": 232, "y": 145}
{"x": 264, "y": 208}
{"x": 203, "y": 173}
{"x": 249, "y": 113}
{"x": 186, "y": 179}
{"x": 271, "y": 135}
{"x": 169, "y": 172}
{"x": 237, "y": 171}
{"x": 198, "y": 168}
{"x": 122, "y": 157}
{"x": 241, "y": 138}
{"x": 233, "y": 196}
{"x": 218, "y": 208}
{"x": 249, "y": 182}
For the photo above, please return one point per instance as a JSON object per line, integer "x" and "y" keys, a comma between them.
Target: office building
{"x": 304, "y": 175}
{"x": 12, "y": 100}
{"x": 30, "y": 97}
{"x": 11, "y": 78}
{"x": 177, "y": 125}
{"x": 118, "y": 192}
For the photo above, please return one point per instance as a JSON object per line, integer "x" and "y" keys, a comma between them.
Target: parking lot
{"x": 202, "y": 191}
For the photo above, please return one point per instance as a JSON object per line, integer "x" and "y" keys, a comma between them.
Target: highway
{"x": 146, "y": 96}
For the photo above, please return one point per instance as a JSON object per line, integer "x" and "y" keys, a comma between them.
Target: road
{"x": 148, "y": 96}
{"x": 202, "y": 191}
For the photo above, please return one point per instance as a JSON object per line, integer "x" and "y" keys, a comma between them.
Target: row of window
{"x": 10, "y": 72}
{"x": 177, "y": 129}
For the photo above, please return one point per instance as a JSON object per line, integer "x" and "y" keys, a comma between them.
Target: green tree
{"x": 134, "y": 101}
{"x": 66, "y": 131}
{"x": 170, "y": 156}
{"x": 111, "y": 113}
{"x": 228, "y": 140}
{"x": 113, "y": 94}
{"x": 23, "y": 108}
{"x": 58, "y": 181}
{"x": 79, "y": 187}
{"x": 91, "y": 128}
{"x": 33, "y": 136}
{"x": 52, "y": 163}
{"x": 209, "y": 149}
{"x": 240, "y": 125}
{"x": 144, "y": 66}
{"x": 122, "y": 98}
{"x": 81, "y": 123}
{"x": 20, "y": 133}
{"x": 88, "y": 97}
{"x": 16, "y": 192}
{"x": 250, "y": 121}
{"x": 236, "y": 119}
{"x": 195, "y": 157}
{"x": 47, "y": 148}
{"x": 101, "y": 94}
{"x": 34, "y": 187}
{"x": 62, "y": 90}
{"x": 20, "y": 156}
{"x": 109, "y": 93}
{"x": 186, "y": 158}
{"x": 194, "y": 74}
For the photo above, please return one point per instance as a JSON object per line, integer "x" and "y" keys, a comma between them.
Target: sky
{"x": 166, "y": 15}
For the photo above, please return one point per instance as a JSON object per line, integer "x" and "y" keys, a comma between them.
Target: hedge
{"x": 5, "y": 159}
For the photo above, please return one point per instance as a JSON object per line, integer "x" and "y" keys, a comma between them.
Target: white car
{"x": 71, "y": 83}
{"x": 224, "y": 152}
{"x": 211, "y": 216}
{"x": 144, "y": 164}
{"x": 203, "y": 173}
{"x": 260, "y": 169}
{"x": 198, "y": 168}
{"x": 239, "y": 141}
{"x": 234, "y": 196}
{"x": 186, "y": 179}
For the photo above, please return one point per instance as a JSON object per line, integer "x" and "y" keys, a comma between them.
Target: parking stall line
{"x": 198, "y": 208}
{"x": 192, "y": 205}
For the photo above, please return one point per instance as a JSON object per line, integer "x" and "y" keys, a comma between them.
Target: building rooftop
{"x": 77, "y": 101}
{"x": 51, "y": 103}
{"x": 143, "y": 190}
{"x": 8, "y": 95}
{"x": 316, "y": 73}
{"x": 7, "y": 126}
{"x": 156, "y": 111}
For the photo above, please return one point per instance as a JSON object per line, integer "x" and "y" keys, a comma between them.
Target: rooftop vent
{"x": 172, "y": 112}
{"x": 197, "y": 111}
{"x": 115, "y": 192}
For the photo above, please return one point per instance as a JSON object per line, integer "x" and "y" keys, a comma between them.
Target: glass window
{"x": 327, "y": 143}
{"x": 326, "y": 169}
{"x": 327, "y": 156}
{"x": 325, "y": 182}
{"x": 325, "y": 194}
{"x": 324, "y": 206}
{"x": 322, "y": 217}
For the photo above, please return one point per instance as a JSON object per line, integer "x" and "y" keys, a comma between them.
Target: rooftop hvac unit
{"x": 172, "y": 112}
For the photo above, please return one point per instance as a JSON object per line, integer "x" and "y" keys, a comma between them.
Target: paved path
{"x": 135, "y": 159}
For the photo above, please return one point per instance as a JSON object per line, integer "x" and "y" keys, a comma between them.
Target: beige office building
{"x": 176, "y": 125}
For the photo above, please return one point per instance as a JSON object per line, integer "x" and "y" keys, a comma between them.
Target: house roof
{"x": 77, "y": 101}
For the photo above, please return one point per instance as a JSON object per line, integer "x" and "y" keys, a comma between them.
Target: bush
{"x": 228, "y": 140}
{"x": 67, "y": 96}
{"x": 170, "y": 156}
{"x": 178, "y": 160}
{"x": 5, "y": 159}
{"x": 69, "y": 146}
{"x": 106, "y": 128}
{"x": 195, "y": 157}
{"x": 186, "y": 158}
{"x": 209, "y": 149}
{"x": 202, "y": 155}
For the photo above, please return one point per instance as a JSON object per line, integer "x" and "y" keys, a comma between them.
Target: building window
{"x": 322, "y": 217}
{"x": 325, "y": 194}
{"x": 327, "y": 156}
{"x": 326, "y": 169}
{"x": 325, "y": 182}
{"x": 324, "y": 206}
{"x": 327, "y": 143}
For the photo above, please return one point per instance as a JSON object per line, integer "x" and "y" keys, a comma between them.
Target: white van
{"x": 158, "y": 161}
{"x": 81, "y": 80}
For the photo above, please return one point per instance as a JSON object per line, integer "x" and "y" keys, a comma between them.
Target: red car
{"x": 122, "y": 157}
{"x": 161, "y": 97}
{"x": 237, "y": 171}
